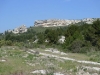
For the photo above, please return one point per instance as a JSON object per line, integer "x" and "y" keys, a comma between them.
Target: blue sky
{"x": 14, "y": 13}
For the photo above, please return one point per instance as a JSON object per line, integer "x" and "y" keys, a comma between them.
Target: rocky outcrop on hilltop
{"x": 20, "y": 29}
{"x": 59, "y": 22}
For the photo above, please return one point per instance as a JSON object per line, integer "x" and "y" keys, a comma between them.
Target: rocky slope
{"x": 59, "y": 22}
{"x": 20, "y": 29}
{"x": 46, "y": 61}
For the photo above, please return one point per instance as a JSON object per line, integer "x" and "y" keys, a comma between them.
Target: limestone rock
{"x": 20, "y": 29}
{"x": 62, "y": 39}
{"x": 59, "y": 22}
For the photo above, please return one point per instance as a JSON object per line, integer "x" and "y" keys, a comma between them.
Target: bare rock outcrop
{"x": 20, "y": 29}
{"x": 59, "y": 22}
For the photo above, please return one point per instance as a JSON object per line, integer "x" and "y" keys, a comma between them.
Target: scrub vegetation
{"x": 82, "y": 42}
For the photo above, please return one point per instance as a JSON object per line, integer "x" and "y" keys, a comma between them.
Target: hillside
{"x": 38, "y": 51}
{"x": 48, "y": 61}
{"x": 39, "y": 29}
{"x": 42, "y": 25}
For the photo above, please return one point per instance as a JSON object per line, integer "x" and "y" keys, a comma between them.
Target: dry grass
{"x": 19, "y": 62}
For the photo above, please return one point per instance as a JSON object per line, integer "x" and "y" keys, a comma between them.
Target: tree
{"x": 2, "y": 43}
{"x": 93, "y": 33}
{"x": 41, "y": 38}
{"x": 52, "y": 36}
{"x": 96, "y": 26}
{"x": 71, "y": 30}
{"x": 76, "y": 46}
{"x": 72, "y": 33}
